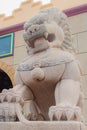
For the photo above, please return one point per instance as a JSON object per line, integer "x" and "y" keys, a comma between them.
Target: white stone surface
{"x": 83, "y": 61}
{"x": 84, "y": 85}
{"x": 82, "y": 42}
{"x": 75, "y": 42}
{"x": 41, "y": 125}
{"x": 78, "y": 23}
{"x": 85, "y": 110}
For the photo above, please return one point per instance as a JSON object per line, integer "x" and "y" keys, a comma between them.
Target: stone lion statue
{"x": 48, "y": 81}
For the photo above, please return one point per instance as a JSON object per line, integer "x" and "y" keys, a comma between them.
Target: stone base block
{"x": 42, "y": 125}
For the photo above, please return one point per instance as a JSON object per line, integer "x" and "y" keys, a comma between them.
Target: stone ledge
{"x": 43, "y": 125}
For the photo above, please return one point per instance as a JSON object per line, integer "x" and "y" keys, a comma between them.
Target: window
{"x": 6, "y": 45}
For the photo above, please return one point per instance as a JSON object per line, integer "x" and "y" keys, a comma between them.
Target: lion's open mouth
{"x": 47, "y": 37}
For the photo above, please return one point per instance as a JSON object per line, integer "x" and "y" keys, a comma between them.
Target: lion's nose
{"x": 33, "y": 29}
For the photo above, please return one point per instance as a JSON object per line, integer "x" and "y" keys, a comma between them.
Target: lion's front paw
{"x": 10, "y": 96}
{"x": 62, "y": 112}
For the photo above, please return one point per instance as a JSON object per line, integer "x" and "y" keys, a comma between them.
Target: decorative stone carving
{"x": 48, "y": 80}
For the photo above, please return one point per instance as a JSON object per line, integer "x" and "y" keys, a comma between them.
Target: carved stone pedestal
{"x": 42, "y": 125}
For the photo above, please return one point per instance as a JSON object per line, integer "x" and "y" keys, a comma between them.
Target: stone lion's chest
{"x": 52, "y": 64}
{"x": 44, "y": 90}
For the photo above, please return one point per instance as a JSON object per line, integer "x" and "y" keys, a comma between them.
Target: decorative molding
{"x": 76, "y": 10}
{"x": 13, "y": 28}
{"x": 69, "y": 12}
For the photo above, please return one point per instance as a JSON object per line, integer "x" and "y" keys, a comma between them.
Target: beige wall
{"x": 78, "y": 24}
{"x": 19, "y": 50}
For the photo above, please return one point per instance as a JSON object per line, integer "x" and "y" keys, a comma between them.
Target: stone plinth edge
{"x": 43, "y": 125}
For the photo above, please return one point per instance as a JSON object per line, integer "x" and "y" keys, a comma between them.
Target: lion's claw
{"x": 10, "y": 96}
{"x": 65, "y": 113}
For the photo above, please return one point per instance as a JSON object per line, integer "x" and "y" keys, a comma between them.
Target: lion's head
{"x": 49, "y": 28}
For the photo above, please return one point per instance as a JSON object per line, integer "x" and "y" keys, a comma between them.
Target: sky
{"x": 7, "y": 6}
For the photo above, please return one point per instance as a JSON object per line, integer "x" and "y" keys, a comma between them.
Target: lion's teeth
{"x": 46, "y": 35}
